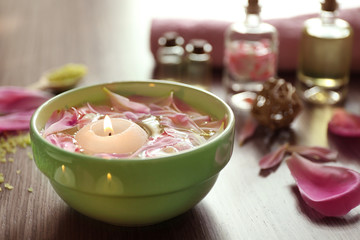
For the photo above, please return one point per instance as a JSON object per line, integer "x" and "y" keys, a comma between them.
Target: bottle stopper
{"x": 198, "y": 46}
{"x": 329, "y": 5}
{"x": 253, "y": 7}
{"x": 171, "y": 39}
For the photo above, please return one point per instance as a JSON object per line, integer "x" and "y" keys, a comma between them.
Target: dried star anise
{"x": 277, "y": 104}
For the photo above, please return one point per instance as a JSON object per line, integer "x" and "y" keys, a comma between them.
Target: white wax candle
{"x": 124, "y": 137}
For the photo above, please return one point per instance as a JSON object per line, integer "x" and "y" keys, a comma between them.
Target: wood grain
{"x": 111, "y": 38}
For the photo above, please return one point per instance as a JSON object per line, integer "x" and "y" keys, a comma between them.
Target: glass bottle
{"x": 251, "y": 52}
{"x": 198, "y": 63}
{"x": 169, "y": 57}
{"x": 325, "y": 57}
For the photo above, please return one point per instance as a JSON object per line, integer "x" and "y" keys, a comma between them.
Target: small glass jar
{"x": 251, "y": 53}
{"x": 198, "y": 63}
{"x": 170, "y": 56}
{"x": 325, "y": 57}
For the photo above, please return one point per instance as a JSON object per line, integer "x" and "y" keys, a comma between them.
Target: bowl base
{"x": 135, "y": 211}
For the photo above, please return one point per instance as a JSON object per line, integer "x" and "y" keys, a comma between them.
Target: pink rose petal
{"x": 316, "y": 153}
{"x": 18, "y": 104}
{"x": 181, "y": 106}
{"x": 123, "y": 103}
{"x": 60, "y": 121}
{"x": 180, "y": 121}
{"x": 194, "y": 138}
{"x": 167, "y": 102}
{"x": 17, "y": 99}
{"x": 16, "y": 121}
{"x": 156, "y": 145}
{"x": 201, "y": 118}
{"x": 332, "y": 191}
{"x": 344, "y": 123}
{"x": 112, "y": 155}
{"x": 212, "y": 125}
{"x": 64, "y": 141}
{"x": 274, "y": 158}
{"x": 247, "y": 130}
{"x": 104, "y": 110}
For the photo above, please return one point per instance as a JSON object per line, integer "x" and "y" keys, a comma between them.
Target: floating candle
{"x": 168, "y": 125}
{"x": 111, "y": 136}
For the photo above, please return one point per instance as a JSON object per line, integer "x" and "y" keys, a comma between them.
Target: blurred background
{"x": 112, "y": 37}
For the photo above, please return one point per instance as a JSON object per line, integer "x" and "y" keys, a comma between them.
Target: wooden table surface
{"x": 112, "y": 38}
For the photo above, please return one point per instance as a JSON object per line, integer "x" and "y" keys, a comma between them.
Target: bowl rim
{"x": 34, "y": 132}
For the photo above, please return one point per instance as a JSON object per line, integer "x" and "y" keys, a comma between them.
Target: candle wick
{"x": 109, "y": 133}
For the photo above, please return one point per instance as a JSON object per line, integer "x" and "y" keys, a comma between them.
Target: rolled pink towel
{"x": 289, "y": 35}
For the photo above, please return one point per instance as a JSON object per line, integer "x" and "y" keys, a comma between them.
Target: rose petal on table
{"x": 344, "y": 123}
{"x": 123, "y": 103}
{"x": 330, "y": 190}
{"x": 17, "y": 99}
{"x": 315, "y": 153}
{"x": 16, "y": 121}
{"x": 273, "y": 158}
{"x": 247, "y": 130}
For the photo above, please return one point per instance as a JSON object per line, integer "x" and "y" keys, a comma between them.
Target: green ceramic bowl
{"x": 142, "y": 192}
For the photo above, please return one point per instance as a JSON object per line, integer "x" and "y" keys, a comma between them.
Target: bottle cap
{"x": 170, "y": 39}
{"x": 198, "y": 46}
{"x": 253, "y": 7}
{"x": 329, "y": 5}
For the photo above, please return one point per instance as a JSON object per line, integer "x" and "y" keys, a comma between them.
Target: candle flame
{"x": 63, "y": 168}
{"x": 108, "y": 126}
{"x": 108, "y": 176}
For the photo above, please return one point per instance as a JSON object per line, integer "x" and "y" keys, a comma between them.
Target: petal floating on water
{"x": 60, "y": 121}
{"x": 330, "y": 190}
{"x": 64, "y": 141}
{"x": 156, "y": 145}
{"x": 103, "y": 110}
{"x": 181, "y": 121}
{"x": 123, "y": 103}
